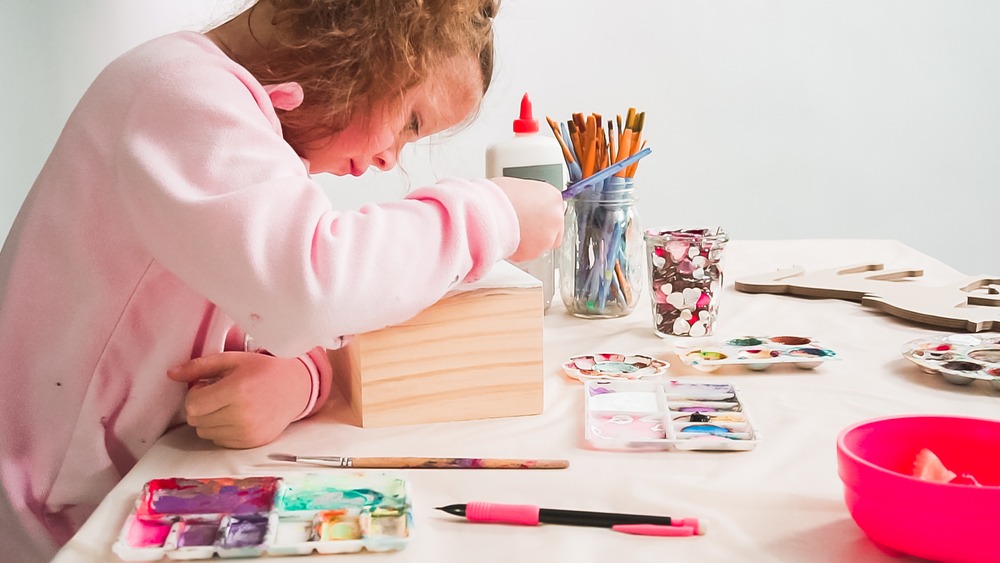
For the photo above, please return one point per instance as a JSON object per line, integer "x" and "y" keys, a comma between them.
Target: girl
{"x": 175, "y": 219}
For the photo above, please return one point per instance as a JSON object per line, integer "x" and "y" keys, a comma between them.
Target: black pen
{"x": 530, "y": 515}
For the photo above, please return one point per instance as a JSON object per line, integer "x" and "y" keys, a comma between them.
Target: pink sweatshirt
{"x": 170, "y": 218}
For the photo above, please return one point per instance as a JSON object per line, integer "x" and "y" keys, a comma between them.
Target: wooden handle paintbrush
{"x": 424, "y": 462}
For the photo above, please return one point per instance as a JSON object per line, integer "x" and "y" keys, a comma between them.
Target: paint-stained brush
{"x": 423, "y": 462}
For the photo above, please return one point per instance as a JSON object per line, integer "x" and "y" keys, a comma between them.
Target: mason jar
{"x": 685, "y": 279}
{"x": 601, "y": 259}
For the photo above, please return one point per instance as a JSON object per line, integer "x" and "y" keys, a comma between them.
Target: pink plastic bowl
{"x": 937, "y": 521}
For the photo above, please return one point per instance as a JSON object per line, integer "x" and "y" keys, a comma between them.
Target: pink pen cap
{"x": 657, "y": 530}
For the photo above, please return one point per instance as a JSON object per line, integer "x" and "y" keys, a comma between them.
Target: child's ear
{"x": 286, "y": 96}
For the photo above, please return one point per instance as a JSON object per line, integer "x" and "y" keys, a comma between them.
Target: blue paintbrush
{"x": 592, "y": 180}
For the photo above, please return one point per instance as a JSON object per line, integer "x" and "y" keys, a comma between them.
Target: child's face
{"x": 444, "y": 100}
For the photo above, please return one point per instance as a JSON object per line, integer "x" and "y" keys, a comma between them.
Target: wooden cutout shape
{"x": 971, "y": 303}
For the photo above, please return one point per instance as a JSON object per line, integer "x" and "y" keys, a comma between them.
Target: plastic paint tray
{"x": 183, "y": 518}
{"x": 958, "y": 358}
{"x": 666, "y": 415}
{"x": 614, "y": 366}
{"x": 755, "y": 352}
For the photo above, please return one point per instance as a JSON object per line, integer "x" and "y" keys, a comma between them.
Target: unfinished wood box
{"x": 476, "y": 353}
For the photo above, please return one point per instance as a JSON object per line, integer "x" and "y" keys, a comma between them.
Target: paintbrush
{"x": 424, "y": 462}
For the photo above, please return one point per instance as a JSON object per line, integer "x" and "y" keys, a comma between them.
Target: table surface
{"x": 781, "y": 501}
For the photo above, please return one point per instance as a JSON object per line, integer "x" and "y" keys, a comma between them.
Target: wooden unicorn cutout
{"x": 969, "y": 304}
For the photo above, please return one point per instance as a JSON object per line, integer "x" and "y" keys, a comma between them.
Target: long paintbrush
{"x": 424, "y": 462}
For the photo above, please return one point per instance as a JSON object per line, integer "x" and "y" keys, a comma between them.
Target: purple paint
{"x": 245, "y": 531}
{"x": 210, "y": 496}
{"x": 198, "y": 533}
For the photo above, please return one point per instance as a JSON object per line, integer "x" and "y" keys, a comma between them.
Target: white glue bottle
{"x": 531, "y": 156}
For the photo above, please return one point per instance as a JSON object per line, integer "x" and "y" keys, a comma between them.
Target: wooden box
{"x": 476, "y": 353}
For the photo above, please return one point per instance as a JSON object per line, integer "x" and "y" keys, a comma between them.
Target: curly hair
{"x": 350, "y": 56}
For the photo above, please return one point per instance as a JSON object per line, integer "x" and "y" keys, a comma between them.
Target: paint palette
{"x": 666, "y": 415}
{"x": 958, "y": 358}
{"x": 614, "y": 366}
{"x": 756, "y": 353}
{"x": 182, "y": 518}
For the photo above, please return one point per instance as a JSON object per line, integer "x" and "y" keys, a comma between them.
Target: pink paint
{"x": 148, "y": 533}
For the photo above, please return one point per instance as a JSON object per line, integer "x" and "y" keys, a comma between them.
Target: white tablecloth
{"x": 781, "y": 501}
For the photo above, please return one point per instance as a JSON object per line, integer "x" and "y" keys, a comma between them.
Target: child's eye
{"x": 414, "y": 124}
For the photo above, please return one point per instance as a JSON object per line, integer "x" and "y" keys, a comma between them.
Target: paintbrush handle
{"x": 453, "y": 463}
{"x": 602, "y": 175}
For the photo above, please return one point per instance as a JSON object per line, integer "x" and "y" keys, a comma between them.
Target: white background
{"x": 781, "y": 119}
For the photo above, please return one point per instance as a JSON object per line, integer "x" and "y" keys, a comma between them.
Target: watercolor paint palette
{"x": 958, "y": 358}
{"x": 184, "y": 518}
{"x": 666, "y": 415}
{"x": 614, "y": 366}
{"x": 756, "y": 353}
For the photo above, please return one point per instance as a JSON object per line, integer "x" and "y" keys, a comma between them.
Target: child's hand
{"x": 243, "y": 399}
{"x": 539, "y": 208}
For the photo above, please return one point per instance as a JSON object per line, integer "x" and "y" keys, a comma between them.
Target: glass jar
{"x": 601, "y": 259}
{"x": 685, "y": 279}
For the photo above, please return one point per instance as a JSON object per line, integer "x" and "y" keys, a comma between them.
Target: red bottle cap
{"x": 527, "y": 122}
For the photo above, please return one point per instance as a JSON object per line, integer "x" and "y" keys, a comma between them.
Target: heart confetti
{"x": 685, "y": 272}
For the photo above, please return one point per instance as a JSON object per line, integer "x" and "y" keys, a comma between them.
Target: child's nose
{"x": 386, "y": 159}
{"x": 386, "y": 147}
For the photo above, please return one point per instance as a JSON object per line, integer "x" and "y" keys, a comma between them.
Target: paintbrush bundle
{"x": 602, "y": 254}
{"x": 482, "y": 340}
{"x": 588, "y": 147}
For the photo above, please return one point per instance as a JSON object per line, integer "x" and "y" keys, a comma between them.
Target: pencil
{"x": 424, "y": 462}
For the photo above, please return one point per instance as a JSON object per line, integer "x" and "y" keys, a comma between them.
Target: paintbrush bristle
{"x": 282, "y": 457}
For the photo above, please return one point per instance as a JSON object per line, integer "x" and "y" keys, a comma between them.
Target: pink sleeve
{"x": 220, "y": 200}
{"x": 321, "y": 375}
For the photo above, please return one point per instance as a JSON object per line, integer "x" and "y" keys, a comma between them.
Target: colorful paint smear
{"x": 649, "y": 414}
{"x": 958, "y": 358}
{"x": 249, "y": 517}
{"x": 209, "y": 496}
{"x": 317, "y": 492}
{"x": 757, "y": 353}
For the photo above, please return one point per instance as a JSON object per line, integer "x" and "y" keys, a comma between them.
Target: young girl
{"x": 175, "y": 230}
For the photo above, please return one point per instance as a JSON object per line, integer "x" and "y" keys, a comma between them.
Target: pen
{"x": 530, "y": 515}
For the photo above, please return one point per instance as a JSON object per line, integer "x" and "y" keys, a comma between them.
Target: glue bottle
{"x": 531, "y": 156}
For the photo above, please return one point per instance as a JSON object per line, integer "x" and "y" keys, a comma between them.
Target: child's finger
{"x": 205, "y": 367}
{"x": 224, "y": 435}
{"x": 228, "y": 435}
{"x": 212, "y": 419}
{"x": 208, "y": 400}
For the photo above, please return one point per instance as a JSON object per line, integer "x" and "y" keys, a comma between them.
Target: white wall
{"x": 774, "y": 119}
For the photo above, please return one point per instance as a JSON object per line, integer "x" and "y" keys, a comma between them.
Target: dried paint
{"x": 337, "y": 492}
{"x": 790, "y": 340}
{"x": 712, "y": 420}
{"x": 198, "y": 533}
{"x": 988, "y": 355}
{"x": 363, "y": 510}
{"x": 959, "y": 365}
{"x": 389, "y": 523}
{"x": 756, "y": 352}
{"x": 614, "y": 366}
{"x": 148, "y": 533}
{"x": 244, "y": 531}
{"x": 210, "y": 496}
{"x": 336, "y": 525}
{"x": 958, "y": 358}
